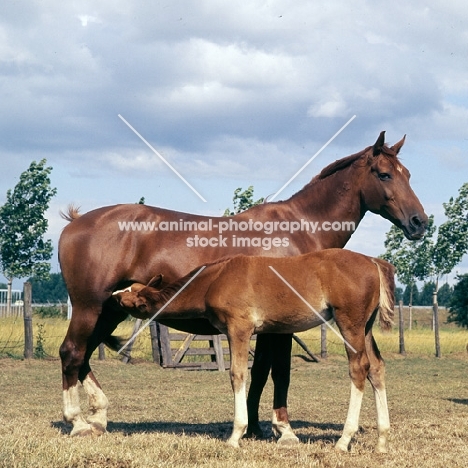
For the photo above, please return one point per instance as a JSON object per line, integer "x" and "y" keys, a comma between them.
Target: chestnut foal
{"x": 244, "y": 295}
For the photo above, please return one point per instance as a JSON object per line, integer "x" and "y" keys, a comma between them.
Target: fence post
{"x": 435, "y": 308}
{"x": 401, "y": 326}
{"x": 27, "y": 311}
{"x": 101, "y": 352}
{"x": 323, "y": 341}
{"x": 155, "y": 342}
{"x": 128, "y": 352}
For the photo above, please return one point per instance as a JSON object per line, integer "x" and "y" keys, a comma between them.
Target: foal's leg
{"x": 358, "y": 370}
{"x": 280, "y": 373}
{"x": 259, "y": 376}
{"x": 377, "y": 379}
{"x": 239, "y": 344}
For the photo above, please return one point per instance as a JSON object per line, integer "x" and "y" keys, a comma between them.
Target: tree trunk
{"x": 435, "y": 308}
{"x": 9, "y": 294}
{"x": 401, "y": 328}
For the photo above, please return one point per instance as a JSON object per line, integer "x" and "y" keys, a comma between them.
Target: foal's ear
{"x": 397, "y": 146}
{"x": 155, "y": 281}
{"x": 377, "y": 148}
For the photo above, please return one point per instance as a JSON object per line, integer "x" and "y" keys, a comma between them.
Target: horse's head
{"x": 387, "y": 190}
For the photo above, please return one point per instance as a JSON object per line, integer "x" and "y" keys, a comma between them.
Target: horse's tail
{"x": 387, "y": 293}
{"x": 73, "y": 212}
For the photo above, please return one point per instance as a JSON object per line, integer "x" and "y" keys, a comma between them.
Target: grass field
{"x": 175, "y": 418}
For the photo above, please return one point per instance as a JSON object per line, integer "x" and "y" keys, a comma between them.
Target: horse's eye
{"x": 384, "y": 176}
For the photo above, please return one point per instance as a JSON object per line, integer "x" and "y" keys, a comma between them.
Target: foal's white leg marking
{"x": 98, "y": 404}
{"x": 352, "y": 420}
{"x": 383, "y": 419}
{"x": 284, "y": 430}
{"x": 72, "y": 412}
{"x": 240, "y": 416}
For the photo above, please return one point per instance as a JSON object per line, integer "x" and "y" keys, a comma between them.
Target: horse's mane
{"x": 348, "y": 160}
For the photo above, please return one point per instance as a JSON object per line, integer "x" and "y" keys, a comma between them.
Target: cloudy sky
{"x": 232, "y": 94}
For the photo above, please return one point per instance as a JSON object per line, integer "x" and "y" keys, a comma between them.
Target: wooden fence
{"x": 169, "y": 356}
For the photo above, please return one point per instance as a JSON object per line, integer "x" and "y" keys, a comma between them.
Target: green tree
{"x": 444, "y": 295}
{"x": 458, "y": 311}
{"x": 411, "y": 295}
{"x": 426, "y": 295}
{"x": 23, "y": 251}
{"x": 50, "y": 290}
{"x": 435, "y": 258}
{"x": 412, "y": 259}
{"x": 242, "y": 201}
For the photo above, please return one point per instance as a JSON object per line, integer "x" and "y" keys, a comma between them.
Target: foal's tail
{"x": 387, "y": 292}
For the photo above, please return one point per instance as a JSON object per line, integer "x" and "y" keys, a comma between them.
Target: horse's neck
{"x": 334, "y": 199}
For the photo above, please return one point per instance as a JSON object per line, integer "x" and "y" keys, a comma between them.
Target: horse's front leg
{"x": 280, "y": 373}
{"x": 239, "y": 343}
{"x": 259, "y": 376}
{"x": 97, "y": 402}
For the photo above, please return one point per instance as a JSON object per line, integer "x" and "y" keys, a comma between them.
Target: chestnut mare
{"x": 241, "y": 296}
{"x": 98, "y": 255}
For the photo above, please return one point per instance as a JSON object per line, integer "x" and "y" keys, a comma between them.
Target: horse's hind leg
{"x": 280, "y": 374}
{"x": 358, "y": 370}
{"x": 75, "y": 367}
{"x": 377, "y": 379}
{"x": 259, "y": 376}
{"x": 85, "y": 333}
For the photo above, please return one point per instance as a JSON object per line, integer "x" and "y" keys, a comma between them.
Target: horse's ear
{"x": 377, "y": 148}
{"x": 397, "y": 146}
{"x": 155, "y": 281}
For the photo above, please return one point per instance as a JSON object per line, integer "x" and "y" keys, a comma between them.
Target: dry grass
{"x": 172, "y": 418}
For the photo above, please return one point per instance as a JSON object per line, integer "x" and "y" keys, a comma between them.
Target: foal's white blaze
{"x": 240, "y": 416}
{"x": 72, "y": 412}
{"x": 352, "y": 419}
{"x": 98, "y": 404}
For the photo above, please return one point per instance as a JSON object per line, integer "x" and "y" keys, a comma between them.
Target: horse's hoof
{"x": 287, "y": 441}
{"x": 97, "y": 429}
{"x": 83, "y": 432}
{"x": 253, "y": 433}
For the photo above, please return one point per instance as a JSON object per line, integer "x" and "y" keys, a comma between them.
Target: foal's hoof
{"x": 233, "y": 443}
{"x": 341, "y": 446}
{"x": 287, "y": 441}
